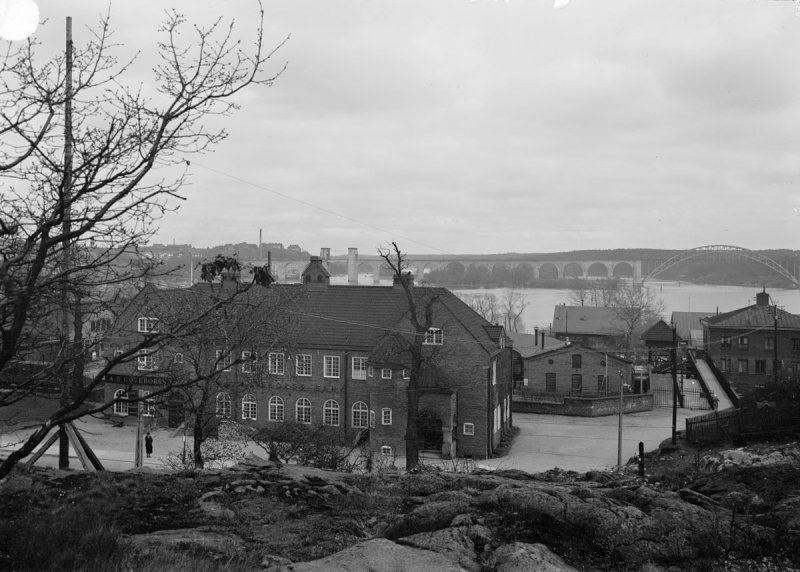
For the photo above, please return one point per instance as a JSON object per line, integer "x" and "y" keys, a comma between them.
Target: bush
{"x": 313, "y": 446}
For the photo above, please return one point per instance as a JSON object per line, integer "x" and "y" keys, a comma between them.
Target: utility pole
{"x": 674, "y": 357}
{"x": 775, "y": 346}
{"x": 619, "y": 434}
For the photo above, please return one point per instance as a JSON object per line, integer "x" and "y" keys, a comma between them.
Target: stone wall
{"x": 586, "y": 406}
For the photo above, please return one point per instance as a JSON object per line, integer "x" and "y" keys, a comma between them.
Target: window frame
{"x": 769, "y": 343}
{"x": 304, "y": 357}
{"x": 276, "y": 409}
{"x": 468, "y": 429}
{"x": 147, "y": 404}
{"x": 433, "y": 337}
{"x": 249, "y": 407}
{"x": 550, "y": 377}
{"x": 121, "y": 408}
{"x": 743, "y": 341}
{"x": 249, "y": 361}
{"x": 577, "y": 359}
{"x": 223, "y": 360}
{"x": 386, "y": 373}
{"x": 276, "y": 363}
{"x": 386, "y": 451}
{"x": 406, "y": 374}
{"x": 146, "y": 360}
{"x": 384, "y": 412}
{"x": 177, "y": 358}
{"x": 331, "y": 367}
{"x": 725, "y": 341}
{"x": 223, "y": 408}
{"x": 361, "y": 415}
{"x": 362, "y": 371}
{"x": 146, "y": 325}
{"x": 760, "y": 367}
{"x": 306, "y": 409}
{"x": 331, "y": 413}
{"x": 743, "y": 365}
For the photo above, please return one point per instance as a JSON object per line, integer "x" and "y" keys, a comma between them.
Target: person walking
{"x": 148, "y": 444}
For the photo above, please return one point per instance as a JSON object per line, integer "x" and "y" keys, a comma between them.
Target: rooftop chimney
{"x": 352, "y": 266}
{"x": 762, "y": 298}
{"x": 315, "y": 272}
{"x": 408, "y": 278}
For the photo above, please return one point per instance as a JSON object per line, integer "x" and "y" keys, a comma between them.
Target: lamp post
{"x": 619, "y": 434}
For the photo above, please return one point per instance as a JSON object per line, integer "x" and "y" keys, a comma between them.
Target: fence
{"x": 693, "y": 398}
{"x": 734, "y": 423}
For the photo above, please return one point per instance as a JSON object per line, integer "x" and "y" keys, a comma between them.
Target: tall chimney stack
{"x": 352, "y": 266}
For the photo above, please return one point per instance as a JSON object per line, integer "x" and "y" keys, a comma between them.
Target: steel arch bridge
{"x": 721, "y": 248}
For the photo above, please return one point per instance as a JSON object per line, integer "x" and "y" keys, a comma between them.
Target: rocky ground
{"x": 731, "y": 509}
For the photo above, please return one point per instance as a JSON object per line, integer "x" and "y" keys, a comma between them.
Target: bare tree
{"x": 512, "y": 306}
{"x": 484, "y": 304}
{"x": 636, "y": 308}
{"x": 90, "y": 164}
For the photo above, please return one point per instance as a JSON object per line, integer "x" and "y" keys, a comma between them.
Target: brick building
{"x": 332, "y": 355}
{"x": 593, "y": 327}
{"x": 743, "y": 344}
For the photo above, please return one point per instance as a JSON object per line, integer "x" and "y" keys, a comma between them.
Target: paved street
{"x": 544, "y": 441}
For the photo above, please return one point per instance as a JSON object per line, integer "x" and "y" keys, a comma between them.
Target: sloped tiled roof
{"x": 755, "y": 316}
{"x": 587, "y": 320}
{"x": 659, "y": 332}
{"x": 526, "y": 344}
{"x": 575, "y": 348}
{"x": 688, "y": 324}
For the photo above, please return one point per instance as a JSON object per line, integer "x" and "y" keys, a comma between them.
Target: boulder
{"x": 523, "y": 557}
{"x": 453, "y": 543}
{"x": 202, "y": 539}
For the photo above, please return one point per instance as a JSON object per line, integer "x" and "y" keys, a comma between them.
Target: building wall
{"x": 726, "y": 357}
{"x": 560, "y": 364}
{"x": 587, "y": 407}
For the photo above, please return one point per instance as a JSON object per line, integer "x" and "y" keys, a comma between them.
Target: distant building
{"x": 598, "y": 328}
{"x": 743, "y": 343}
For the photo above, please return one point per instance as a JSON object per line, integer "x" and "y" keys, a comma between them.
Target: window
{"x": 576, "y": 361}
{"x": 742, "y": 366}
{"x": 796, "y": 344}
{"x": 249, "y": 406}
{"x": 725, "y": 365}
{"x": 386, "y": 451}
{"x": 331, "y": 366}
{"x": 370, "y": 371}
{"x": 577, "y": 383}
{"x": 386, "y": 373}
{"x": 223, "y": 360}
{"x": 223, "y": 405}
{"x": 386, "y": 416}
{"x": 406, "y": 374}
{"x": 360, "y": 415}
{"x": 302, "y": 364}
{"x": 302, "y": 410}
{"x": 100, "y": 325}
{"x": 148, "y": 405}
{"x": 550, "y": 382}
{"x": 372, "y": 419}
{"x": 330, "y": 413}
{"x": 601, "y": 383}
{"x": 434, "y": 337}
{"x": 249, "y": 362}
{"x": 494, "y": 372}
{"x": 178, "y": 358}
{"x": 469, "y": 428}
{"x": 276, "y": 363}
{"x": 121, "y": 407}
{"x": 148, "y": 325}
{"x": 769, "y": 343}
{"x": 761, "y": 366}
{"x": 118, "y": 353}
{"x": 725, "y": 342}
{"x": 147, "y": 360}
{"x": 360, "y": 369}
{"x": 275, "y": 408}
{"x": 743, "y": 341}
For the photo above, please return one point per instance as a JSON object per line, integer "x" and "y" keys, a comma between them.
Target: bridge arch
{"x": 548, "y": 270}
{"x": 573, "y": 270}
{"x": 597, "y": 270}
{"x": 721, "y": 248}
{"x": 623, "y": 270}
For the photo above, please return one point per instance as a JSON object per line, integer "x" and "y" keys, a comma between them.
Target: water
{"x": 677, "y": 297}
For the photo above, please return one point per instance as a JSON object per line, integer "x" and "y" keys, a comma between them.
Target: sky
{"x": 490, "y": 126}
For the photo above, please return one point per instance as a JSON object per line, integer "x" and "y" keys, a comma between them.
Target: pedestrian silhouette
{"x": 148, "y": 444}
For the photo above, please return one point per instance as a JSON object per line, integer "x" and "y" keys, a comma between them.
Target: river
{"x": 676, "y": 296}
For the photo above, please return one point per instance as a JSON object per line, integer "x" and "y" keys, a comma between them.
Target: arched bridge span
{"x": 721, "y": 248}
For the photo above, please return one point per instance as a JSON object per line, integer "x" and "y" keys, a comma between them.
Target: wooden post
{"x": 641, "y": 459}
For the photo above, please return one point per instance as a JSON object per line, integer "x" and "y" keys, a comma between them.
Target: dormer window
{"x": 434, "y": 337}
{"x": 147, "y": 325}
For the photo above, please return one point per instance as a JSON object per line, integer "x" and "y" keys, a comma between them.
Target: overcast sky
{"x": 458, "y": 126}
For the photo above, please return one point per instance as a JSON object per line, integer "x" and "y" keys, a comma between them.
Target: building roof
{"x": 527, "y": 345}
{"x": 755, "y": 316}
{"x": 688, "y": 325}
{"x": 576, "y": 348}
{"x": 660, "y": 332}
{"x": 587, "y": 320}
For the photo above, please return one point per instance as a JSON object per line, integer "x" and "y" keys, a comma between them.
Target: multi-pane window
{"x": 370, "y": 371}
{"x": 249, "y": 406}
{"x": 275, "y": 408}
{"x": 223, "y": 409}
{"x": 743, "y": 341}
{"x": 179, "y": 358}
{"x": 796, "y": 344}
{"x": 386, "y": 373}
{"x": 331, "y": 367}
{"x": 360, "y": 368}
{"x": 742, "y": 366}
{"x": 550, "y": 382}
{"x": 276, "y": 363}
{"x": 406, "y": 374}
{"x": 576, "y": 361}
{"x": 725, "y": 342}
{"x": 386, "y": 451}
{"x": 249, "y": 361}
{"x": 761, "y": 366}
{"x": 302, "y": 364}
{"x": 302, "y": 410}
{"x": 100, "y": 325}
{"x": 577, "y": 383}
{"x": 469, "y": 428}
{"x": 371, "y": 419}
{"x": 146, "y": 360}
{"x": 360, "y": 415}
{"x": 330, "y": 413}
{"x": 769, "y": 343}
{"x": 121, "y": 407}
{"x": 386, "y": 416}
{"x": 725, "y": 365}
{"x": 434, "y": 337}
{"x": 148, "y": 325}
{"x": 223, "y": 360}
{"x": 601, "y": 383}
{"x": 148, "y": 405}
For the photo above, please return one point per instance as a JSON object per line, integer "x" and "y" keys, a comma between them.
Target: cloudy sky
{"x": 458, "y": 126}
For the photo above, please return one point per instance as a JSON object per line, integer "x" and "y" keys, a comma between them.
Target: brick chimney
{"x": 352, "y": 266}
{"x": 408, "y": 278}
{"x": 316, "y": 273}
{"x": 762, "y": 298}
